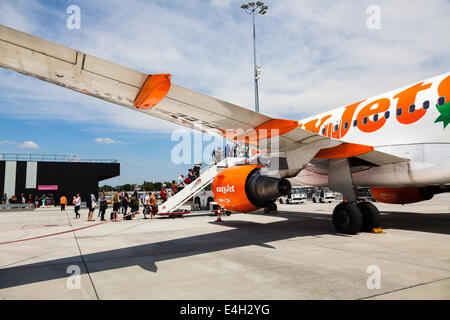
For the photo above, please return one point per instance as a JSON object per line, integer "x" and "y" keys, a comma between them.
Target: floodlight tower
{"x": 253, "y": 9}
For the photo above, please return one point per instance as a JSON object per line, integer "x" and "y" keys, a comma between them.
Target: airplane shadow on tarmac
{"x": 430, "y": 222}
{"x": 147, "y": 255}
{"x": 245, "y": 234}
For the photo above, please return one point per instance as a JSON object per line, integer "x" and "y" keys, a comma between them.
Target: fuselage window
{"x": 365, "y": 120}
{"x": 355, "y": 123}
{"x": 336, "y": 127}
{"x": 426, "y": 105}
{"x": 441, "y": 101}
{"x": 323, "y": 131}
{"x": 375, "y": 118}
{"x": 346, "y": 125}
{"x": 412, "y": 108}
{"x": 399, "y": 112}
{"x": 387, "y": 114}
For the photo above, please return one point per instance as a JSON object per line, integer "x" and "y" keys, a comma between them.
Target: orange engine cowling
{"x": 244, "y": 189}
{"x": 401, "y": 195}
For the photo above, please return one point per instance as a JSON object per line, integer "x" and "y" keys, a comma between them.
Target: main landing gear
{"x": 272, "y": 208}
{"x": 351, "y": 218}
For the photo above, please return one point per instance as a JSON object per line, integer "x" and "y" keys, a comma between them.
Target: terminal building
{"x": 58, "y": 175}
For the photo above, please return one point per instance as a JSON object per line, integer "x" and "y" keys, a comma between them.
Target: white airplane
{"x": 397, "y": 143}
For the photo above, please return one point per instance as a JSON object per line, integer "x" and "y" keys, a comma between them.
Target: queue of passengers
{"x": 121, "y": 203}
{"x": 236, "y": 151}
{"x": 182, "y": 181}
{"x": 38, "y": 200}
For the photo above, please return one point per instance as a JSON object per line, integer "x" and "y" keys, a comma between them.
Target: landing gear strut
{"x": 272, "y": 208}
{"x": 349, "y": 217}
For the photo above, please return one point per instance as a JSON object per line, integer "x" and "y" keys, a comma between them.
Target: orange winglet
{"x": 155, "y": 88}
{"x": 345, "y": 150}
{"x": 270, "y": 129}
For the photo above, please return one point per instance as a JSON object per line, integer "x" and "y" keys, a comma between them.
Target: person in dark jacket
{"x": 134, "y": 204}
{"x": 124, "y": 203}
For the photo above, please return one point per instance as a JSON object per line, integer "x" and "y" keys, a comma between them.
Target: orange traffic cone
{"x": 219, "y": 218}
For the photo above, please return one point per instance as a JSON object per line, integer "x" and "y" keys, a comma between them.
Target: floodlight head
{"x": 263, "y": 12}
{"x": 251, "y": 4}
{"x": 259, "y": 3}
{"x": 244, "y": 6}
{"x": 265, "y": 7}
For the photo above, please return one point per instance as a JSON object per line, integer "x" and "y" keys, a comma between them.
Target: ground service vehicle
{"x": 297, "y": 195}
{"x": 323, "y": 195}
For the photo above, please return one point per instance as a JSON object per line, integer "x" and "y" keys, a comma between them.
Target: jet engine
{"x": 245, "y": 189}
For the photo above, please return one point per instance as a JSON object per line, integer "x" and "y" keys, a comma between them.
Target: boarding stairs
{"x": 207, "y": 174}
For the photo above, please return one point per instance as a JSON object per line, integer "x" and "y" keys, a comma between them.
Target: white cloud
{"x": 29, "y": 145}
{"x": 106, "y": 140}
{"x": 7, "y": 142}
{"x": 221, "y": 3}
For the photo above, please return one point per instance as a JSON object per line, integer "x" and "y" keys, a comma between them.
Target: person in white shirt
{"x": 77, "y": 203}
{"x": 180, "y": 182}
{"x": 91, "y": 206}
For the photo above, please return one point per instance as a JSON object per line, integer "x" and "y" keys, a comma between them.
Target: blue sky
{"x": 315, "y": 56}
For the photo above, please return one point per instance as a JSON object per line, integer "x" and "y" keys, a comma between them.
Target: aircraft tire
{"x": 347, "y": 218}
{"x": 370, "y": 216}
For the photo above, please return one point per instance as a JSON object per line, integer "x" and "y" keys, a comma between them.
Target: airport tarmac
{"x": 295, "y": 254}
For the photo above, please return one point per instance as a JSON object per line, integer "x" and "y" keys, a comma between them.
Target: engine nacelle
{"x": 244, "y": 189}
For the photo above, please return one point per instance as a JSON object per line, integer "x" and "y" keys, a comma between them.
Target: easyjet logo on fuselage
{"x": 225, "y": 189}
{"x": 373, "y": 115}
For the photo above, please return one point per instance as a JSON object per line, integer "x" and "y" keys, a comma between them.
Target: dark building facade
{"x": 57, "y": 178}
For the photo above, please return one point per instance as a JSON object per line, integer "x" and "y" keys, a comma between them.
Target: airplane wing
{"x": 157, "y": 96}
